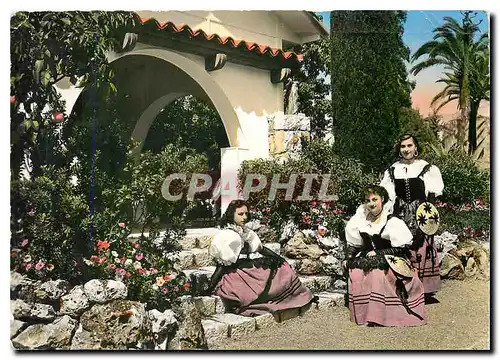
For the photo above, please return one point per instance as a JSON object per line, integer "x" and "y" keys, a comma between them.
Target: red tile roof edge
{"x": 250, "y": 46}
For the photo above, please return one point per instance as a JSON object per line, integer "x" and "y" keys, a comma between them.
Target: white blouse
{"x": 433, "y": 180}
{"x": 395, "y": 231}
{"x": 226, "y": 245}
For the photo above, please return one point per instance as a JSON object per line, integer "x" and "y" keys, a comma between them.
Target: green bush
{"x": 466, "y": 220}
{"x": 463, "y": 180}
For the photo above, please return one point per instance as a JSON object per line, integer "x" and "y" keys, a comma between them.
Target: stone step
{"x": 221, "y": 326}
{"x": 194, "y": 238}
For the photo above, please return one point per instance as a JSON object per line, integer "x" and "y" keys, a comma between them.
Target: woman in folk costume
{"x": 250, "y": 285}
{"x": 383, "y": 287}
{"x": 411, "y": 181}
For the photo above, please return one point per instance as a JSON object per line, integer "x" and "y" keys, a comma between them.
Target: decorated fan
{"x": 427, "y": 218}
{"x": 399, "y": 265}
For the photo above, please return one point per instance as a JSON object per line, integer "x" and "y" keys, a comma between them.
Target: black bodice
{"x": 410, "y": 189}
{"x": 375, "y": 241}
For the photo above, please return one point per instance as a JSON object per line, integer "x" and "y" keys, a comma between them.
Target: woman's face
{"x": 373, "y": 203}
{"x": 241, "y": 215}
{"x": 407, "y": 149}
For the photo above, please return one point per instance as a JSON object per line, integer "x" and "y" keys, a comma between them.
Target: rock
{"x": 74, "y": 303}
{"x": 188, "y": 242}
{"x": 332, "y": 265}
{"x": 164, "y": 324}
{"x": 239, "y": 326}
{"x": 293, "y": 263}
{"x": 102, "y": 291}
{"x": 309, "y": 267}
{"x": 276, "y": 247}
{"x": 15, "y": 327}
{"x": 84, "y": 340}
{"x": 327, "y": 300}
{"x": 185, "y": 258}
{"x": 267, "y": 235}
{"x": 204, "y": 241}
{"x": 119, "y": 324}
{"x": 298, "y": 248}
{"x": 452, "y": 268}
{"x": 17, "y": 282}
{"x": 215, "y": 332}
{"x": 265, "y": 321}
{"x": 297, "y": 122}
{"x": 205, "y": 305}
{"x": 469, "y": 248}
{"x": 471, "y": 268}
{"x": 31, "y": 312}
{"x": 329, "y": 242}
{"x": 340, "y": 284}
{"x": 202, "y": 257}
{"x": 190, "y": 334}
{"x": 288, "y": 231}
{"x": 316, "y": 283}
{"x": 219, "y": 305}
{"x": 53, "y": 290}
{"x": 445, "y": 242}
{"x": 56, "y": 335}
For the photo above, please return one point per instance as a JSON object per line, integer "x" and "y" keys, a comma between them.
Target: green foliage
{"x": 468, "y": 221}
{"x": 369, "y": 83}
{"x": 45, "y": 48}
{"x": 189, "y": 122}
{"x": 313, "y": 88}
{"x": 424, "y": 129}
{"x": 346, "y": 178}
{"x": 463, "y": 180}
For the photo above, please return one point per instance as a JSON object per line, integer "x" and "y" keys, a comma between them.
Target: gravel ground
{"x": 459, "y": 321}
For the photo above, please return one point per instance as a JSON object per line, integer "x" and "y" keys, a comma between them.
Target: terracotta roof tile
{"x": 228, "y": 41}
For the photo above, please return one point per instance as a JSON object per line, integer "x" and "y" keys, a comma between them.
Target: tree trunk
{"x": 464, "y": 117}
{"x": 473, "y": 126}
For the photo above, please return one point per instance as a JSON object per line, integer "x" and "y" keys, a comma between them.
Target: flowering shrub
{"x": 469, "y": 220}
{"x": 150, "y": 275}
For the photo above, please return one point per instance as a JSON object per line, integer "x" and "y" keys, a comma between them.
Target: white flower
{"x": 155, "y": 287}
{"x": 128, "y": 262}
{"x": 88, "y": 262}
{"x": 73, "y": 180}
{"x": 27, "y": 259}
{"x": 114, "y": 253}
{"x": 74, "y": 161}
{"x": 325, "y": 223}
{"x": 316, "y": 211}
{"x": 137, "y": 265}
{"x": 133, "y": 251}
{"x": 117, "y": 261}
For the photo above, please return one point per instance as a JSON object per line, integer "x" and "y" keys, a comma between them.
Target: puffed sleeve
{"x": 352, "y": 235}
{"x": 433, "y": 181}
{"x": 226, "y": 247}
{"x": 253, "y": 240}
{"x": 397, "y": 233}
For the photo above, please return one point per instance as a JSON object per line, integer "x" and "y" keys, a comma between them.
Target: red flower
{"x": 314, "y": 203}
{"x": 58, "y": 117}
{"x": 13, "y": 99}
{"x": 141, "y": 271}
{"x": 127, "y": 275}
{"x": 186, "y": 286}
{"x": 95, "y": 258}
{"x": 168, "y": 277}
{"x": 122, "y": 260}
{"x": 102, "y": 245}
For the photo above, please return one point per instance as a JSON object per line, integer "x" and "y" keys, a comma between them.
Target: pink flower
{"x": 28, "y": 266}
{"x": 139, "y": 256}
{"x": 127, "y": 275}
{"x": 153, "y": 271}
{"x": 58, "y": 116}
{"x": 24, "y": 242}
{"x": 31, "y": 213}
{"x": 13, "y": 99}
{"x": 39, "y": 266}
{"x": 136, "y": 246}
{"x": 121, "y": 271}
{"x": 141, "y": 271}
{"x": 122, "y": 225}
{"x": 112, "y": 266}
{"x": 95, "y": 258}
{"x": 164, "y": 291}
{"x": 314, "y": 203}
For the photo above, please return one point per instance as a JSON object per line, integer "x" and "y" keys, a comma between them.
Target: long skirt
{"x": 373, "y": 299}
{"x": 424, "y": 256}
{"x": 425, "y": 260}
{"x": 252, "y": 288}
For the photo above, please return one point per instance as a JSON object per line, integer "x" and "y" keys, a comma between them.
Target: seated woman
{"x": 378, "y": 295}
{"x": 247, "y": 285}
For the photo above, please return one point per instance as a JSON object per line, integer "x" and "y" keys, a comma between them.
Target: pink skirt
{"x": 427, "y": 266}
{"x": 256, "y": 290}
{"x": 373, "y": 299}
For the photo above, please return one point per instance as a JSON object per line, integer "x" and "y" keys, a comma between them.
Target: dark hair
{"x": 397, "y": 146}
{"x": 375, "y": 189}
{"x": 228, "y": 217}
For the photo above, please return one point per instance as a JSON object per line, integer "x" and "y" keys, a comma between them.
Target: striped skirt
{"x": 252, "y": 288}
{"x": 373, "y": 299}
{"x": 426, "y": 261}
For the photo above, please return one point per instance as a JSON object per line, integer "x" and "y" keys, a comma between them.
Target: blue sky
{"x": 419, "y": 24}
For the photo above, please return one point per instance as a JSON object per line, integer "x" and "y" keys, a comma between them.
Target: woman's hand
{"x": 371, "y": 253}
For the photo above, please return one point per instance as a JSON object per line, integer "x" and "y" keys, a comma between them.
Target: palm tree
{"x": 454, "y": 47}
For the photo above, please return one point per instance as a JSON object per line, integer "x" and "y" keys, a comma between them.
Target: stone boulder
{"x": 452, "y": 268}
{"x": 190, "y": 334}
{"x": 75, "y": 302}
{"x": 52, "y": 291}
{"x": 309, "y": 267}
{"x": 445, "y": 242}
{"x": 267, "y": 235}
{"x": 329, "y": 242}
{"x": 117, "y": 325}
{"x": 163, "y": 324}
{"x": 332, "y": 265}
{"x": 24, "y": 311}
{"x": 102, "y": 291}
{"x": 302, "y": 246}
{"x": 56, "y": 335}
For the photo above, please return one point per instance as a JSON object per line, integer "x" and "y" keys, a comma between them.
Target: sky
{"x": 419, "y": 28}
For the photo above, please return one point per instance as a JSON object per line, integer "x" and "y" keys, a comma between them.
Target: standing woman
{"x": 247, "y": 285}
{"x": 409, "y": 182}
